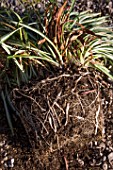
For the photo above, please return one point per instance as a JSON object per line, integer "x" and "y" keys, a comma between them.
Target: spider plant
{"x": 60, "y": 36}
{"x": 81, "y": 38}
{"x": 20, "y": 46}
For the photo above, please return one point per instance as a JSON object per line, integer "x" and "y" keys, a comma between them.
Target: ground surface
{"x": 70, "y": 119}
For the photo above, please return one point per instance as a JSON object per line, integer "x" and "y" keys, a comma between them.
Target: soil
{"x": 65, "y": 122}
{"x": 63, "y": 119}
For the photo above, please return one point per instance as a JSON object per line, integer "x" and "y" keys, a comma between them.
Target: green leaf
{"x": 42, "y": 35}
{"x": 104, "y": 70}
{"x": 6, "y": 37}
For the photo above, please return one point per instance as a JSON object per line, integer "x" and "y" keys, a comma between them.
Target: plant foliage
{"x": 59, "y": 36}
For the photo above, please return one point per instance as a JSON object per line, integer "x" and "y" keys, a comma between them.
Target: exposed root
{"x": 61, "y": 109}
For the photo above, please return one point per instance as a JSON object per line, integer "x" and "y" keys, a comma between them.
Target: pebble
{"x": 105, "y": 166}
{"x": 110, "y": 158}
{"x": 2, "y": 143}
{"x": 81, "y": 162}
{"x": 102, "y": 146}
{"x": 104, "y": 158}
{"x": 96, "y": 143}
{"x": 9, "y": 163}
{"x": 93, "y": 162}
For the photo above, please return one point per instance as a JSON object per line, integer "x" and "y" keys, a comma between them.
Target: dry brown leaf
{"x": 60, "y": 11}
{"x": 41, "y": 41}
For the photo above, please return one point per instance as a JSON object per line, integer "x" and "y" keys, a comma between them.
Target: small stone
{"x": 104, "y": 158}
{"x": 2, "y": 143}
{"x": 5, "y": 154}
{"x": 93, "y": 162}
{"x": 91, "y": 144}
{"x": 9, "y": 163}
{"x": 95, "y": 143}
{"x": 109, "y": 143}
{"x": 101, "y": 154}
{"x": 102, "y": 146}
{"x": 89, "y": 4}
{"x": 81, "y": 162}
{"x": 107, "y": 148}
{"x": 1, "y": 150}
{"x": 106, "y": 102}
{"x": 7, "y": 146}
{"x": 105, "y": 166}
{"x": 6, "y": 158}
{"x": 110, "y": 158}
